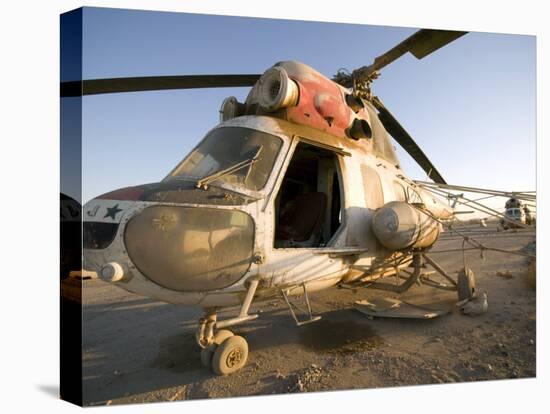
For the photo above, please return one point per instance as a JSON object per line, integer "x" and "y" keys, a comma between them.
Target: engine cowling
{"x": 399, "y": 225}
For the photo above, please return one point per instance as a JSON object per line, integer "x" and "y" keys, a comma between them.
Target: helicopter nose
{"x": 190, "y": 248}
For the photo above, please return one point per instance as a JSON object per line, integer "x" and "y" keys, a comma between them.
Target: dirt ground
{"x": 137, "y": 350}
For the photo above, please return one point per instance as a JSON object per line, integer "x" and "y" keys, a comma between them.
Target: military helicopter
{"x": 518, "y": 213}
{"x": 298, "y": 189}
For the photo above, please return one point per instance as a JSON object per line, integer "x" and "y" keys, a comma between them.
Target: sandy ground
{"x": 137, "y": 350}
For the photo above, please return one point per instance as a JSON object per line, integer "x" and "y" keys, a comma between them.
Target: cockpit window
{"x": 515, "y": 212}
{"x": 224, "y": 148}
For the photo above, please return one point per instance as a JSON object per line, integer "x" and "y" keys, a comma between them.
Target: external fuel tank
{"x": 399, "y": 225}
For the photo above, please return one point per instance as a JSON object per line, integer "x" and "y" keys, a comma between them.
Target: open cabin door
{"x": 307, "y": 210}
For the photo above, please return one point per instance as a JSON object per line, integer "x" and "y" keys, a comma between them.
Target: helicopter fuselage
{"x": 365, "y": 182}
{"x": 292, "y": 209}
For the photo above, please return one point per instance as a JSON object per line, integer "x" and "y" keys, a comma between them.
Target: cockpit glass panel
{"x": 227, "y": 147}
{"x": 191, "y": 249}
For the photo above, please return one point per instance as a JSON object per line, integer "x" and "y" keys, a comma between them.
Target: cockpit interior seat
{"x": 302, "y": 218}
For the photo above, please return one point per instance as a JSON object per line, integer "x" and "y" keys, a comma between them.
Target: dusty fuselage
{"x": 285, "y": 198}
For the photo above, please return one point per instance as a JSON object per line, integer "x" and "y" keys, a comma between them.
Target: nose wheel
{"x": 230, "y": 356}
{"x": 208, "y": 352}
{"x": 223, "y": 351}
{"x": 227, "y": 353}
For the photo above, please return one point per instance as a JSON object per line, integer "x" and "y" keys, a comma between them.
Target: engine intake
{"x": 277, "y": 90}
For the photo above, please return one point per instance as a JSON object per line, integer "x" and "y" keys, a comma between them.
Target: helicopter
{"x": 296, "y": 190}
{"x": 518, "y": 211}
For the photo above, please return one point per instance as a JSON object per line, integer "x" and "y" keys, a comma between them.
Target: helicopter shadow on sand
{"x": 176, "y": 359}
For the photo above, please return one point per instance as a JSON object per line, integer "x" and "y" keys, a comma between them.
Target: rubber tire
{"x": 466, "y": 284}
{"x": 208, "y": 352}
{"x": 221, "y": 362}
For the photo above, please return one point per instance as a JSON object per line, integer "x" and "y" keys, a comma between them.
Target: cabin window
{"x": 308, "y": 205}
{"x": 374, "y": 195}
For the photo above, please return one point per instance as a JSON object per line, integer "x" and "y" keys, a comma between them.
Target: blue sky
{"x": 470, "y": 106}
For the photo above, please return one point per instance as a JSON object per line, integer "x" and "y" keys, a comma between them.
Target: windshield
{"x": 225, "y": 147}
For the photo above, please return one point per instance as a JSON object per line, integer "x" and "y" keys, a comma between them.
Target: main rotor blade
{"x": 399, "y": 133}
{"x": 153, "y": 83}
{"x": 420, "y": 44}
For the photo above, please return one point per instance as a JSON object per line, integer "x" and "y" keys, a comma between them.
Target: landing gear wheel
{"x": 466, "y": 284}
{"x": 230, "y": 356}
{"x": 208, "y": 352}
{"x": 222, "y": 335}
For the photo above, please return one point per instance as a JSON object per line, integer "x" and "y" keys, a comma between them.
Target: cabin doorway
{"x": 308, "y": 207}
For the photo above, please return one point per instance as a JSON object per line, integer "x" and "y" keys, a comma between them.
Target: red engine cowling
{"x": 309, "y": 98}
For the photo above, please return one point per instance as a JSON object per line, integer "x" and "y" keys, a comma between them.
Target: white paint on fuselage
{"x": 288, "y": 268}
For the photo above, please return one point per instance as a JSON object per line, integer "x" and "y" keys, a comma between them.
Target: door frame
{"x": 270, "y": 204}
